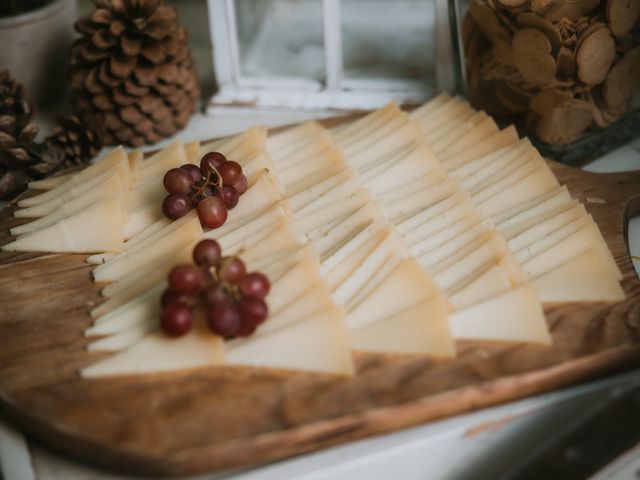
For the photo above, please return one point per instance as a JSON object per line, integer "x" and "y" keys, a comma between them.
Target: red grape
{"x": 254, "y": 285}
{"x": 229, "y": 196}
{"x": 212, "y": 212}
{"x": 253, "y": 310}
{"x": 212, "y": 158}
{"x": 186, "y": 279}
{"x": 193, "y": 170}
{"x": 224, "y": 318}
{"x": 241, "y": 185}
{"x": 176, "y": 319}
{"x": 246, "y": 329}
{"x": 207, "y": 253}
{"x": 176, "y": 205}
{"x": 215, "y": 294}
{"x": 169, "y": 297}
{"x": 232, "y": 269}
{"x": 178, "y": 180}
{"x": 230, "y": 172}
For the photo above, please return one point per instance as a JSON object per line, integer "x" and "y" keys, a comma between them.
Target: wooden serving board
{"x": 217, "y": 418}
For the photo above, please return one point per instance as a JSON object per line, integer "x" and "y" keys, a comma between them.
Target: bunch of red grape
{"x": 211, "y": 189}
{"x": 232, "y": 298}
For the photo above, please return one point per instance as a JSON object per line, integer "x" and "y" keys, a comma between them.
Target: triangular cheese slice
{"x": 584, "y": 278}
{"x": 513, "y": 316}
{"x": 172, "y": 156}
{"x": 420, "y": 329}
{"x": 97, "y": 228}
{"x": 318, "y": 344}
{"x": 159, "y": 353}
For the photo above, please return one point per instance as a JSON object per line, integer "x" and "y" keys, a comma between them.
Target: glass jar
{"x": 566, "y": 72}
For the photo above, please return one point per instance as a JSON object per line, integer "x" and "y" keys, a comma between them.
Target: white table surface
{"x": 480, "y": 445}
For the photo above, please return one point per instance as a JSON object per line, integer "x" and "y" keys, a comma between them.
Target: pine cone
{"x": 79, "y": 137}
{"x": 21, "y": 159}
{"x": 133, "y": 66}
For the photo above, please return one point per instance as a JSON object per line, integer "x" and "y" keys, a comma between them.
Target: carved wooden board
{"x": 182, "y": 423}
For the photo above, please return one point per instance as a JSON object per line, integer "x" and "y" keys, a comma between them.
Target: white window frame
{"x": 336, "y": 92}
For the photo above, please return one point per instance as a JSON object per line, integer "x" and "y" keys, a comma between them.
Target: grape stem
{"x": 218, "y": 275}
{"x": 218, "y": 185}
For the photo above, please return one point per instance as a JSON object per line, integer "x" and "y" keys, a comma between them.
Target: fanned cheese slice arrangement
{"x": 396, "y": 233}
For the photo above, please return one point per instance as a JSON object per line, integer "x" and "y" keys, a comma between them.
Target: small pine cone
{"x": 12, "y": 183}
{"x": 133, "y": 66}
{"x": 79, "y": 137}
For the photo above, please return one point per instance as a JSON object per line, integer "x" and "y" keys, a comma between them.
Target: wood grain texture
{"x": 216, "y": 418}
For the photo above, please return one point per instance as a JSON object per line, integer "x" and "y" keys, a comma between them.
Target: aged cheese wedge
{"x": 438, "y": 223}
{"x": 299, "y": 279}
{"x": 136, "y": 158}
{"x": 141, "y": 218}
{"x": 339, "y": 273}
{"x": 474, "y": 167}
{"x": 530, "y": 224}
{"x": 499, "y": 167}
{"x": 169, "y": 157}
{"x": 256, "y": 164}
{"x": 92, "y": 189}
{"x": 50, "y": 182}
{"x": 432, "y": 242}
{"x": 116, "y": 159}
{"x": 139, "y": 309}
{"x": 148, "y": 274}
{"x": 346, "y": 206}
{"x": 431, "y": 105}
{"x": 341, "y": 192}
{"x": 112, "y": 186}
{"x": 305, "y": 197}
{"x": 441, "y": 113}
{"x": 415, "y": 163}
{"x": 547, "y": 227}
{"x": 457, "y": 115}
{"x": 527, "y": 210}
{"x": 405, "y": 286}
{"x": 173, "y": 242}
{"x": 390, "y": 249}
{"x": 536, "y": 183}
{"x": 255, "y": 136}
{"x": 158, "y": 353}
{"x": 376, "y": 279}
{"x": 279, "y": 142}
{"x": 193, "y": 151}
{"x": 337, "y": 266}
{"x": 280, "y": 229}
{"x": 588, "y": 237}
{"x": 147, "y": 232}
{"x": 511, "y": 173}
{"x": 150, "y": 189}
{"x": 421, "y": 330}
{"x": 363, "y": 140}
{"x": 497, "y": 278}
{"x": 123, "y": 339}
{"x": 385, "y": 143}
{"x": 493, "y": 143}
{"x": 282, "y": 239}
{"x": 432, "y": 212}
{"x": 350, "y": 132}
{"x": 97, "y": 228}
{"x": 315, "y": 178}
{"x": 429, "y": 181}
{"x": 486, "y": 254}
{"x": 245, "y": 233}
{"x": 468, "y": 133}
{"x": 302, "y": 151}
{"x": 435, "y": 255}
{"x": 319, "y": 344}
{"x": 263, "y": 194}
{"x": 345, "y": 230}
{"x": 403, "y": 208}
{"x": 584, "y": 278}
{"x": 325, "y": 160}
{"x": 315, "y": 300}
{"x": 513, "y": 316}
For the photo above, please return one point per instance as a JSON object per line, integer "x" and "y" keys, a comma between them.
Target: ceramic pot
{"x": 34, "y": 48}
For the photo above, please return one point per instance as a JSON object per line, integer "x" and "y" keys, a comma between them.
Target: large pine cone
{"x": 21, "y": 158}
{"x": 133, "y": 65}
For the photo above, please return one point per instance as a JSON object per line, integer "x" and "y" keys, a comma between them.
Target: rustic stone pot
{"x": 34, "y": 47}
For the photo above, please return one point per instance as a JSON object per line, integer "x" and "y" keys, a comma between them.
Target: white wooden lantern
{"x": 329, "y": 54}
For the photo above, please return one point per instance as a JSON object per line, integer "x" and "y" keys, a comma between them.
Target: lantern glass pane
{"x": 280, "y": 38}
{"x": 388, "y": 41}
